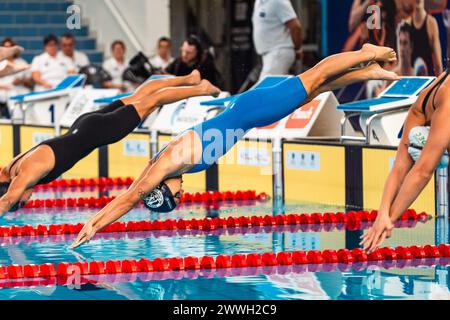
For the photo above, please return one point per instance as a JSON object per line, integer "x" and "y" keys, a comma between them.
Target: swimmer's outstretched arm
{"x": 124, "y": 203}
{"x": 407, "y": 180}
{"x": 15, "y": 191}
{"x": 156, "y": 172}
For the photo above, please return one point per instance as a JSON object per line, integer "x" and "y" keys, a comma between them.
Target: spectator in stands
{"x": 405, "y": 65}
{"x": 277, "y": 34}
{"x": 116, "y": 65}
{"x": 194, "y": 57}
{"x": 49, "y": 69}
{"x": 19, "y": 83}
{"x": 426, "y": 40}
{"x": 163, "y": 57}
{"x": 68, "y": 44}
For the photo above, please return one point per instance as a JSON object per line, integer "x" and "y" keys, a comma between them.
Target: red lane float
{"x": 91, "y": 182}
{"x": 254, "y": 260}
{"x": 196, "y": 232}
{"x": 109, "y": 278}
{"x": 93, "y": 202}
{"x": 353, "y": 221}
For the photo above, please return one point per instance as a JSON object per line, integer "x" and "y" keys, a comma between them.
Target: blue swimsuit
{"x": 252, "y": 109}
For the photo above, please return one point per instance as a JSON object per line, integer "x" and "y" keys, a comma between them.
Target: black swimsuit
{"x": 90, "y": 131}
{"x": 434, "y": 89}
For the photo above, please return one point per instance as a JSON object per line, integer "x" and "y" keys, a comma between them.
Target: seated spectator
{"x": 194, "y": 57}
{"x": 19, "y": 83}
{"x": 115, "y": 66}
{"x": 163, "y": 57}
{"x": 68, "y": 44}
{"x": 49, "y": 68}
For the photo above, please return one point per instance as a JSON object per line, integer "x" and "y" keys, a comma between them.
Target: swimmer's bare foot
{"x": 8, "y": 68}
{"x": 381, "y": 54}
{"x": 376, "y": 72}
{"x": 209, "y": 89}
{"x": 8, "y": 52}
{"x": 194, "y": 78}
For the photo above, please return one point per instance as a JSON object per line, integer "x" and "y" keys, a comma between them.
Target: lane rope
{"x": 217, "y": 232}
{"x": 352, "y": 220}
{"x": 95, "y": 202}
{"x": 251, "y": 260}
{"x": 77, "y": 280}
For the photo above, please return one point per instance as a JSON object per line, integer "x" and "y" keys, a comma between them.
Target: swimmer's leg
{"x": 11, "y": 68}
{"x": 371, "y": 72}
{"x": 170, "y": 95}
{"x": 150, "y": 87}
{"x": 339, "y": 63}
{"x": 9, "y": 52}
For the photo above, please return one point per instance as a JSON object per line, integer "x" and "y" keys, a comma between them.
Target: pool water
{"x": 395, "y": 280}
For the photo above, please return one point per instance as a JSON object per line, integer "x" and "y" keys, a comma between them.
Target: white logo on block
{"x": 302, "y": 160}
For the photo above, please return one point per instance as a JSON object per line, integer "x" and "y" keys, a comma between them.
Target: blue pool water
{"x": 391, "y": 281}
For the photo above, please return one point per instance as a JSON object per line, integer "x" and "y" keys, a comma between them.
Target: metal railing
{"x": 124, "y": 25}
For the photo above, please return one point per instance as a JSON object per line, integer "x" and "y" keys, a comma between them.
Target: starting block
{"x": 382, "y": 118}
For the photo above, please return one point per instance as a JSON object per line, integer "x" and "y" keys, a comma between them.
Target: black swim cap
{"x": 160, "y": 199}
{"x": 4, "y": 186}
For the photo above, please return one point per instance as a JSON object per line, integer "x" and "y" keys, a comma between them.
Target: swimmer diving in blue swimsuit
{"x": 160, "y": 184}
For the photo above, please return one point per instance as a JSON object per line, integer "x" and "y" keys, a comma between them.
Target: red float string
{"x": 252, "y": 260}
{"x": 217, "y": 232}
{"x": 352, "y": 220}
{"x": 76, "y": 279}
{"x": 199, "y": 197}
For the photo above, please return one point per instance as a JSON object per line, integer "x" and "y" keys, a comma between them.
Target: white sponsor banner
{"x": 303, "y": 160}
{"x": 136, "y": 148}
{"x": 259, "y": 157}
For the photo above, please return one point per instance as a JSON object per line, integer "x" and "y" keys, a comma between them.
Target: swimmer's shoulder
{"x": 442, "y": 98}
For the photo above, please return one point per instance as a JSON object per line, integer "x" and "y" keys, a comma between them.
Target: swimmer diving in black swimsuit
{"x": 48, "y": 160}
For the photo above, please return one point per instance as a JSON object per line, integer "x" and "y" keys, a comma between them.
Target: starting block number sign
{"x": 299, "y": 160}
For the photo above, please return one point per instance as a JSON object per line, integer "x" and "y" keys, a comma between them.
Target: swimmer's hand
{"x": 85, "y": 235}
{"x": 380, "y": 231}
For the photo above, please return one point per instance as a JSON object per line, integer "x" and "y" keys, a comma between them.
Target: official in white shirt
{"x": 163, "y": 57}
{"x": 115, "y": 66}
{"x": 277, "y": 35}
{"x": 68, "y": 44}
{"x": 49, "y": 69}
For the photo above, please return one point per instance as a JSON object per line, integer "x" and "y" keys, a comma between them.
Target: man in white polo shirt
{"x": 48, "y": 69}
{"x": 68, "y": 44}
{"x": 277, "y": 35}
